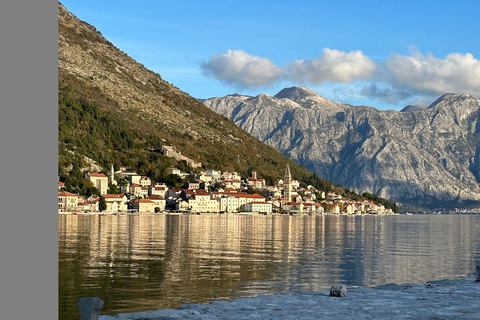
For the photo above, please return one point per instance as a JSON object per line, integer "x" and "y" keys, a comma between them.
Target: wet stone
{"x": 338, "y": 291}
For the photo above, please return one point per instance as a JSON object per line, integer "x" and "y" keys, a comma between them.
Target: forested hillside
{"x": 114, "y": 111}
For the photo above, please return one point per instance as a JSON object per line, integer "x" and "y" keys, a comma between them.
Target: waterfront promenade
{"x": 444, "y": 299}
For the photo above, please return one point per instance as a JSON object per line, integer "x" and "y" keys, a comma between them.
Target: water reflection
{"x": 137, "y": 263}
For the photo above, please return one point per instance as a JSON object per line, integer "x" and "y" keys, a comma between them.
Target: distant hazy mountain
{"x": 426, "y": 156}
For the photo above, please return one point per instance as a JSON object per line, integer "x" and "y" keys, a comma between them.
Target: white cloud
{"x": 241, "y": 69}
{"x": 457, "y": 73}
{"x": 399, "y": 78}
{"x": 333, "y": 65}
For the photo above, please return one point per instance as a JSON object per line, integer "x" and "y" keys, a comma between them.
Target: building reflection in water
{"x": 142, "y": 262}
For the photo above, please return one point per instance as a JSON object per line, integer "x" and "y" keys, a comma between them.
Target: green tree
{"x": 102, "y": 206}
{"x": 113, "y": 189}
{"x": 157, "y": 209}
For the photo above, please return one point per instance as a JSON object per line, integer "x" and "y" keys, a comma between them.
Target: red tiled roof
{"x": 247, "y": 195}
{"x": 99, "y": 175}
{"x": 112, "y": 196}
{"x": 156, "y": 197}
{"x": 66, "y": 194}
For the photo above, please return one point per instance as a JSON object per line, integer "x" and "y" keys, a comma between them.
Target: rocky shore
{"x": 443, "y": 299}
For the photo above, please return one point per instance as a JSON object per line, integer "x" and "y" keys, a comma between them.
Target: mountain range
{"x": 419, "y": 156}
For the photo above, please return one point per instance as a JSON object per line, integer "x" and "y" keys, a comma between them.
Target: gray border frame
{"x": 28, "y": 134}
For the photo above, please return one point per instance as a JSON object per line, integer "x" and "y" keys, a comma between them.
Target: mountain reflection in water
{"x": 144, "y": 263}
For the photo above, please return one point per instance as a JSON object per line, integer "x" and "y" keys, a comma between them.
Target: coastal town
{"x": 209, "y": 192}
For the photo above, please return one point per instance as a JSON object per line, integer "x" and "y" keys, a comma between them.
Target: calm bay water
{"x": 149, "y": 262}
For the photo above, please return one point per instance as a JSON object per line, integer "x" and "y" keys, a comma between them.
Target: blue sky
{"x": 380, "y": 53}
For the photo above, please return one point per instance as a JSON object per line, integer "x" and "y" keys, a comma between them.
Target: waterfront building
{"x": 159, "y": 201}
{"x": 115, "y": 203}
{"x": 142, "y": 205}
{"x": 262, "y": 207}
{"x": 202, "y": 202}
{"x": 67, "y": 201}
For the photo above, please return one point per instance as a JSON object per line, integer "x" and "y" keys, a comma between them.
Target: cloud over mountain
{"x": 397, "y": 79}
{"x": 242, "y": 69}
{"x": 456, "y": 73}
{"x": 333, "y": 65}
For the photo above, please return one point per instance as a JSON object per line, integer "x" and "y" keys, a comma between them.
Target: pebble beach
{"x": 443, "y": 299}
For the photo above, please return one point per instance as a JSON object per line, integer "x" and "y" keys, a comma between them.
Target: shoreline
{"x": 440, "y": 299}
{"x": 216, "y": 213}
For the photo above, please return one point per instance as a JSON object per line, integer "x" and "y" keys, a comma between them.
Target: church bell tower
{"x": 287, "y": 185}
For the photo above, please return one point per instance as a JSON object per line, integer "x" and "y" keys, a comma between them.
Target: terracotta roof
{"x": 247, "y": 195}
{"x": 99, "y": 175}
{"x": 260, "y": 202}
{"x": 111, "y": 196}
{"x": 66, "y": 194}
{"x": 312, "y": 204}
{"x": 156, "y": 197}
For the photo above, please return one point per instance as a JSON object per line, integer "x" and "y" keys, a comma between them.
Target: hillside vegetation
{"x": 115, "y": 111}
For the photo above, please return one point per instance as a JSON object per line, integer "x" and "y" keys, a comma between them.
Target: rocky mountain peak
{"x": 449, "y": 98}
{"x": 296, "y": 93}
{"x": 413, "y": 108}
{"x": 306, "y": 98}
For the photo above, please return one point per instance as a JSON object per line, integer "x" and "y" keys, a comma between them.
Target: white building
{"x": 202, "y": 202}
{"x": 116, "y": 203}
{"x": 262, "y": 207}
{"x": 143, "y": 206}
{"x": 99, "y": 180}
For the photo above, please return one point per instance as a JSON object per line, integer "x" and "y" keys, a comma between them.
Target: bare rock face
{"x": 421, "y": 155}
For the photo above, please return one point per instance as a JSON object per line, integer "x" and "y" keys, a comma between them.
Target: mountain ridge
{"x": 412, "y": 157}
